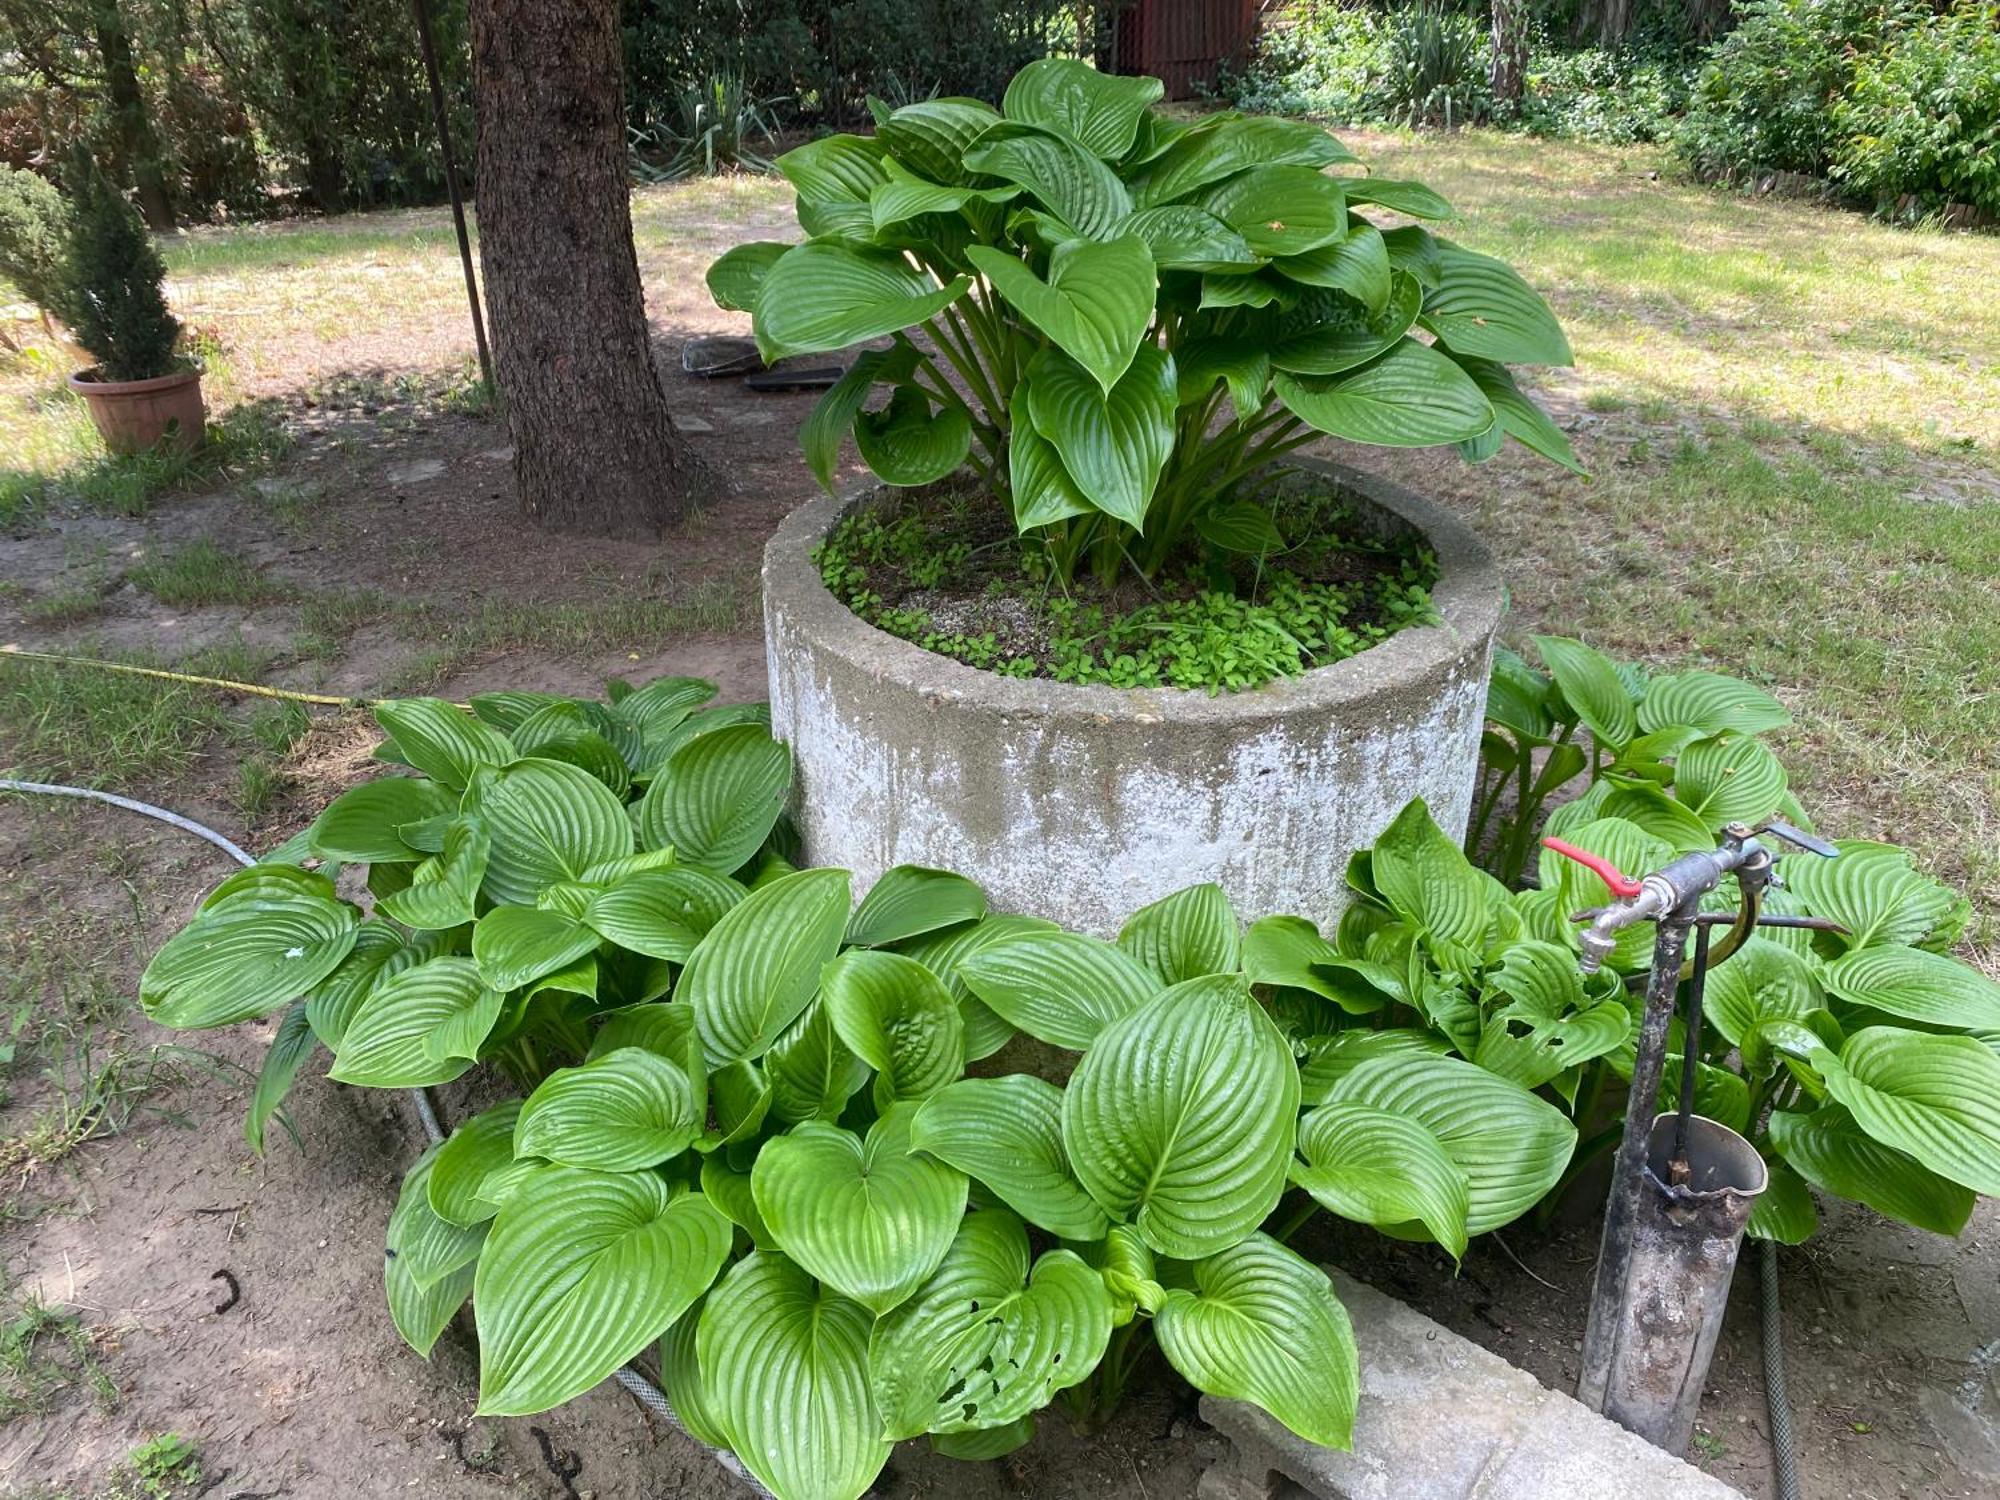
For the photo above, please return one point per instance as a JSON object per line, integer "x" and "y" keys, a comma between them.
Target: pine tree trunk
{"x": 137, "y": 143}
{"x": 594, "y": 450}
{"x": 1508, "y": 74}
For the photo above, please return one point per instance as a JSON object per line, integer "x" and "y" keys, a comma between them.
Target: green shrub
{"x": 1101, "y": 279}
{"x": 1434, "y": 65}
{"x": 1620, "y": 97}
{"x": 1326, "y": 62}
{"x": 1921, "y": 119}
{"x": 34, "y": 235}
{"x": 712, "y": 130}
{"x": 111, "y": 282}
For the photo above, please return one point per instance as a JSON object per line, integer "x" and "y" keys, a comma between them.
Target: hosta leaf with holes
{"x": 447, "y": 744}
{"x": 663, "y": 913}
{"x": 246, "y": 957}
{"x": 419, "y": 1027}
{"x": 909, "y": 901}
{"x": 812, "y": 1072}
{"x": 1481, "y": 306}
{"x": 1835, "y": 1155}
{"x": 443, "y": 888}
{"x": 1112, "y": 446}
{"x": 548, "y": 821}
{"x": 1095, "y": 304}
{"x": 1078, "y": 188}
{"x": 987, "y": 1341}
{"x": 737, "y": 275}
{"x": 1185, "y": 935}
{"x": 1729, "y": 778}
{"x": 1357, "y": 264}
{"x": 1925, "y": 987}
{"x": 895, "y": 1016}
{"x": 1007, "y": 1134}
{"x": 1710, "y": 702}
{"x": 985, "y": 1443}
{"x": 718, "y": 798}
{"x": 1375, "y": 1167}
{"x": 1409, "y": 397}
{"x": 1426, "y": 879}
{"x": 1280, "y": 210}
{"x": 1153, "y": 1119}
{"x": 417, "y": 1237}
{"x": 1592, "y": 688}
{"x": 1099, "y": 111}
{"x": 1871, "y": 890}
{"x": 864, "y": 1216}
{"x": 1511, "y": 1145}
{"x": 759, "y": 966}
{"x": 289, "y": 1049}
{"x": 1935, "y": 1097}
{"x": 1060, "y": 987}
{"x": 910, "y": 442}
{"x": 1762, "y": 981}
{"x": 516, "y": 945}
{"x": 818, "y": 297}
{"x": 361, "y": 825}
{"x": 784, "y": 1365}
{"x": 1263, "y": 1325}
{"x": 622, "y": 1112}
{"x": 582, "y": 1271}
{"x": 472, "y": 1153}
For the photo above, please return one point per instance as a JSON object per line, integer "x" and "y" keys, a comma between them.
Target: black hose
{"x": 1784, "y": 1462}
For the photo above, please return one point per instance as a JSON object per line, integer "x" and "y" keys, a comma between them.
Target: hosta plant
{"x": 789, "y": 1141}
{"x": 1119, "y": 320}
{"x": 1865, "y": 1063}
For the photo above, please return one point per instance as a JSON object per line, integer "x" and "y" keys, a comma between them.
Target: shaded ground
{"x": 1793, "y": 418}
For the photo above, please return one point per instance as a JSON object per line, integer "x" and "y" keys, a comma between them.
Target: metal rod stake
{"x": 443, "y": 119}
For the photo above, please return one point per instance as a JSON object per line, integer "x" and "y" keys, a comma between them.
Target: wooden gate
{"x": 1182, "y": 42}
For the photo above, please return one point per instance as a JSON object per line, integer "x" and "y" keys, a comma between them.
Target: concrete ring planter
{"x": 1081, "y": 804}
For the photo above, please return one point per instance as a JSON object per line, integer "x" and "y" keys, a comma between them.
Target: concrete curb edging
{"x": 1442, "y": 1419}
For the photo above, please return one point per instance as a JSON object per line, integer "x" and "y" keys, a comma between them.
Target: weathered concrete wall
{"x": 1083, "y": 803}
{"x": 1442, "y": 1419}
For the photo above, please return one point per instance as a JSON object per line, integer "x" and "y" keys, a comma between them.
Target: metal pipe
{"x": 442, "y": 117}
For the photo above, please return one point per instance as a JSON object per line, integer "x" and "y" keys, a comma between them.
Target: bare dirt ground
{"x": 385, "y": 556}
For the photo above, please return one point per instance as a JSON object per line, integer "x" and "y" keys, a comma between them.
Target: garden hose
{"x": 634, "y": 1381}
{"x": 1784, "y": 1464}
{"x": 255, "y": 689}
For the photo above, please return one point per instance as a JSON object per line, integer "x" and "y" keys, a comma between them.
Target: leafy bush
{"x": 1099, "y": 278}
{"x": 1871, "y": 1048}
{"x": 1327, "y": 62}
{"x": 746, "y": 1132}
{"x": 110, "y": 284}
{"x": 34, "y": 237}
{"x": 1921, "y": 118}
{"x": 1619, "y": 97}
{"x": 1435, "y": 65}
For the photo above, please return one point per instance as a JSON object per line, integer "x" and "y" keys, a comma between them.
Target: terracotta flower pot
{"x": 132, "y": 416}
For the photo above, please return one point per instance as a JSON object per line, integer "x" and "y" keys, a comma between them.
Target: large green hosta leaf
{"x": 682, "y": 1379}
{"x": 1482, "y": 306}
{"x": 1062, "y": 988}
{"x": 866, "y": 1217}
{"x": 379, "y": 951}
{"x": 515, "y": 945}
{"x": 581, "y": 1272}
{"x": 784, "y": 1372}
{"x": 1929, "y": 988}
{"x": 290, "y": 1046}
{"x": 1872, "y": 891}
{"x": 622, "y": 1112}
{"x": 718, "y": 798}
{"x": 1515, "y": 413}
{"x": 363, "y": 824}
{"x": 1184, "y": 936}
{"x": 1154, "y": 1123}
{"x": 1762, "y": 981}
{"x": 811, "y": 1071}
{"x": 833, "y": 417}
{"x": 1592, "y": 687}
{"x": 1007, "y": 1134}
{"x": 909, "y": 901}
{"x": 245, "y": 957}
{"x": 985, "y": 1342}
{"x": 1339, "y": 336}
{"x": 1427, "y": 880}
{"x": 1042, "y": 491}
{"x": 1411, "y": 198}
{"x": 419, "y": 1027}
{"x": 1243, "y": 367}
{"x": 834, "y": 168}
{"x": 759, "y": 966}
{"x": 447, "y": 744}
{"x": 549, "y": 822}
{"x": 663, "y": 913}
{"x": 1729, "y": 778}
{"x": 1182, "y": 237}
{"x": 1195, "y": 160}
{"x": 1099, "y": 111}
{"x": 818, "y": 297}
{"x": 910, "y": 442}
{"x": 1710, "y": 702}
{"x": 1375, "y": 1167}
{"x": 1935, "y": 1097}
{"x": 1263, "y": 1325}
{"x": 472, "y": 1153}
{"x": 1833, "y": 1153}
{"x": 1511, "y": 1145}
{"x": 1112, "y": 446}
{"x": 1095, "y": 305}
{"x": 428, "y": 1264}
{"x": 1074, "y": 185}
{"x": 895, "y": 1016}
{"x": 443, "y": 889}
{"x": 1410, "y": 397}
{"x": 1357, "y": 264}
{"x": 1280, "y": 210}
{"x": 933, "y": 135}
{"x": 737, "y": 275}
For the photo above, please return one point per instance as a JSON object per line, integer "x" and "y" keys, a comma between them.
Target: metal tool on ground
{"x": 1683, "y": 1186}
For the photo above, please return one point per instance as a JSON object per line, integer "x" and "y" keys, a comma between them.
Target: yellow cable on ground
{"x": 328, "y": 700}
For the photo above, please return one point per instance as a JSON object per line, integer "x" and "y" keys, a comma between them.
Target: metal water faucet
{"x": 1677, "y": 887}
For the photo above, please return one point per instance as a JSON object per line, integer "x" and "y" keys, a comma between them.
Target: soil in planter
{"x": 942, "y": 567}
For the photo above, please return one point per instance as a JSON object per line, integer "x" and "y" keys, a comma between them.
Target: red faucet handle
{"x": 1623, "y": 886}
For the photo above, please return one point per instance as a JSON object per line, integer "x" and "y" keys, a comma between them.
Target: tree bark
{"x": 1507, "y": 76}
{"x": 594, "y": 450}
{"x": 137, "y": 142}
